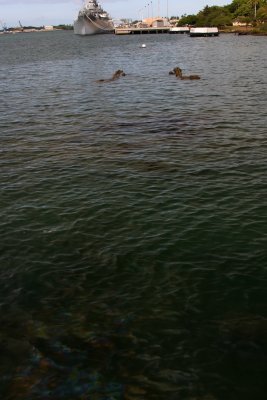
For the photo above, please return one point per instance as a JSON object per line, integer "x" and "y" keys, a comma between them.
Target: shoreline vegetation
{"x": 240, "y": 16}
{"x": 240, "y": 31}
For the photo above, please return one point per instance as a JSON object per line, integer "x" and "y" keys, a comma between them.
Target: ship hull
{"x": 83, "y": 26}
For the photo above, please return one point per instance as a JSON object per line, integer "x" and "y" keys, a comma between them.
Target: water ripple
{"x": 133, "y": 234}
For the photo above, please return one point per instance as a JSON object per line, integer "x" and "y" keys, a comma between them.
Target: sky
{"x": 54, "y": 12}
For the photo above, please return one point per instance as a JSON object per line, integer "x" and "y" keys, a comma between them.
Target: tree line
{"x": 248, "y": 11}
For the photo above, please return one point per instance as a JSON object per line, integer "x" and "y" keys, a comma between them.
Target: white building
{"x": 48, "y": 28}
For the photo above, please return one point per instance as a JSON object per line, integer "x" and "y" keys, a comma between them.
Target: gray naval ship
{"x": 92, "y": 19}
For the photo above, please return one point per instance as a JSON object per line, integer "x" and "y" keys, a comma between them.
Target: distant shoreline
{"x": 243, "y": 32}
{"x": 240, "y": 31}
{"x": 29, "y": 29}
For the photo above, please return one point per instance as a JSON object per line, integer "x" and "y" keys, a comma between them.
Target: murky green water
{"x": 133, "y": 259}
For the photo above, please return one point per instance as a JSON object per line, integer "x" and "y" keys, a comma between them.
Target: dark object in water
{"x": 179, "y": 74}
{"x": 115, "y": 76}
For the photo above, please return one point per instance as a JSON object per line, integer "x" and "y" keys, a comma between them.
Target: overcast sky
{"x": 53, "y": 12}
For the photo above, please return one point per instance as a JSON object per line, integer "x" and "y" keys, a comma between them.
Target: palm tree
{"x": 255, "y": 3}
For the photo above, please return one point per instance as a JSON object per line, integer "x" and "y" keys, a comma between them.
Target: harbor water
{"x": 133, "y": 251}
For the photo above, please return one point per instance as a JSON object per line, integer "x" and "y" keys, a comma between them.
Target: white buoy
{"x": 143, "y": 45}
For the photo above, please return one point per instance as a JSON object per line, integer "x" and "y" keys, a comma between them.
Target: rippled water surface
{"x": 133, "y": 254}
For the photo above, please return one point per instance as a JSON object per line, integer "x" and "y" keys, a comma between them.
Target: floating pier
{"x": 204, "y": 32}
{"x": 179, "y": 29}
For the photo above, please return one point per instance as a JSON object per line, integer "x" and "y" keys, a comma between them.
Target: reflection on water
{"x": 133, "y": 234}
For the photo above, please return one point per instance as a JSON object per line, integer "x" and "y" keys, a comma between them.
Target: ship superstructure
{"x": 92, "y": 19}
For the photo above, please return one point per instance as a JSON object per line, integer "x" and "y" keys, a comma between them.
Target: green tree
{"x": 262, "y": 13}
{"x": 187, "y": 20}
{"x": 222, "y": 16}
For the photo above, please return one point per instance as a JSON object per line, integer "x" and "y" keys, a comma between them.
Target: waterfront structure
{"x": 156, "y": 22}
{"x": 147, "y": 25}
{"x": 141, "y": 30}
{"x": 197, "y": 32}
{"x": 180, "y": 29}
